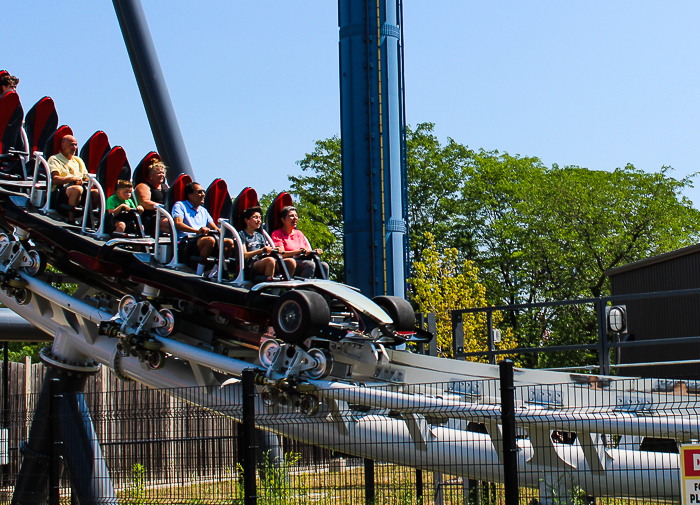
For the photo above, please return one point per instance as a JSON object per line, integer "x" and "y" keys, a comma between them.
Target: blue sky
{"x": 254, "y": 84}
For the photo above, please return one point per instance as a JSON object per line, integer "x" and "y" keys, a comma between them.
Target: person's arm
{"x": 249, "y": 254}
{"x": 212, "y": 226}
{"x": 57, "y": 170}
{"x": 143, "y": 196}
{"x": 181, "y": 226}
{"x": 279, "y": 244}
{"x": 116, "y": 210}
{"x": 179, "y": 219}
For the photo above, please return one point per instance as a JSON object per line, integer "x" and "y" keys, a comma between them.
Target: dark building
{"x": 661, "y": 318}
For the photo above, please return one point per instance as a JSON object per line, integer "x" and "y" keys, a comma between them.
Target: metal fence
{"x": 480, "y": 442}
{"x": 607, "y": 341}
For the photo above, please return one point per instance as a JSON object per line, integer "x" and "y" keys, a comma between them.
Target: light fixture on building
{"x": 617, "y": 318}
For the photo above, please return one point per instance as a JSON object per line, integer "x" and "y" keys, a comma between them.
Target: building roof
{"x": 654, "y": 259}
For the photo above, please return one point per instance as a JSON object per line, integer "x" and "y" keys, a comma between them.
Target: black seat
{"x": 141, "y": 170}
{"x": 92, "y": 152}
{"x": 273, "y": 222}
{"x": 11, "y": 116}
{"x": 52, "y": 147}
{"x": 39, "y": 124}
{"x": 113, "y": 166}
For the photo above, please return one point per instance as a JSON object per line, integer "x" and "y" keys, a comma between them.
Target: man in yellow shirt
{"x": 68, "y": 173}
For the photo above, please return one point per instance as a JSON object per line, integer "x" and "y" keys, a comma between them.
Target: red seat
{"x": 272, "y": 216}
{"x": 113, "y": 167}
{"x": 176, "y": 192}
{"x": 11, "y": 116}
{"x": 141, "y": 170}
{"x": 218, "y": 201}
{"x": 40, "y": 123}
{"x": 246, "y": 199}
{"x": 96, "y": 147}
{"x": 53, "y": 143}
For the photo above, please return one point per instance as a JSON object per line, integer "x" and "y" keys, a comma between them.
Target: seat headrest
{"x": 176, "y": 192}
{"x": 218, "y": 201}
{"x": 246, "y": 199}
{"x": 11, "y": 116}
{"x": 272, "y": 216}
{"x": 94, "y": 150}
{"x": 113, "y": 167}
{"x": 141, "y": 170}
{"x": 53, "y": 143}
{"x": 40, "y": 123}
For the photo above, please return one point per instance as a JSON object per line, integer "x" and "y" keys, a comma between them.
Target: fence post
{"x": 603, "y": 349}
{"x": 249, "y": 456}
{"x": 54, "y": 444}
{"x": 369, "y": 481}
{"x": 489, "y": 337}
{"x": 510, "y": 448}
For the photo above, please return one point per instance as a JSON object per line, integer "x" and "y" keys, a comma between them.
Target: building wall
{"x": 661, "y": 318}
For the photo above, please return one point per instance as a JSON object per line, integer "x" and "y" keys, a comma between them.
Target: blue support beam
{"x": 373, "y": 146}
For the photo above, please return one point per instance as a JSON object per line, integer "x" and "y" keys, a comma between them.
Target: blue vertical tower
{"x": 373, "y": 145}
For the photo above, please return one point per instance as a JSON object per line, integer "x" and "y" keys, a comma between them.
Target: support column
{"x": 373, "y": 146}
{"x": 154, "y": 91}
{"x": 62, "y": 429}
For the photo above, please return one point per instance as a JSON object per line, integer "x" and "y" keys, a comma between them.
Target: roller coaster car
{"x": 227, "y": 309}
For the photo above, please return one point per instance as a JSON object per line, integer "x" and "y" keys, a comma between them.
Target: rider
{"x": 194, "y": 225}
{"x": 120, "y": 204}
{"x": 150, "y": 193}
{"x": 295, "y": 245}
{"x": 68, "y": 173}
{"x": 256, "y": 246}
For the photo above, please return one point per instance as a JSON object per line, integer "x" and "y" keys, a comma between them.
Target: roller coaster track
{"x": 415, "y": 408}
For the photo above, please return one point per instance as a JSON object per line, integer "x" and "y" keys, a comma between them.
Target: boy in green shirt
{"x": 120, "y": 203}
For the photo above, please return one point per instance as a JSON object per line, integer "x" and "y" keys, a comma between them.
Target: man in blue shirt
{"x": 195, "y": 226}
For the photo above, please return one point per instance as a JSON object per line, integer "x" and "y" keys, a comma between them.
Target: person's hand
{"x": 77, "y": 180}
{"x": 203, "y": 230}
{"x": 318, "y": 251}
{"x": 139, "y": 209}
{"x": 302, "y": 251}
{"x": 266, "y": 249}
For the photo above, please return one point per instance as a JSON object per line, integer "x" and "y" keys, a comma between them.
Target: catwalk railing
{"x": 604, "y": 342}
{"x": 572, "y": 444}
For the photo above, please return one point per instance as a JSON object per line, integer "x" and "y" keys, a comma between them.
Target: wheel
{"x": 298, "y": 315}
{"x": 170, "y": 323}
{"x": 22, "y": 296}
{"x": 155, "y": 360}
{"x": 399, "y": 310}
{"x": 324, "y": 363}
{"x": 38, "y": 264}
{"x": 267, "y": 352}
{"x": 17, "y": 283}
{"x": 126, "y": 305}
{"x": 308, "y": 405}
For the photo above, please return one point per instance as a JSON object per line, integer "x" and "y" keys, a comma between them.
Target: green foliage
{"x": 18, "y": 350}
{"x": 137, "y": 486}
{"x": 442, "y": 284}
{"x": 535, "y": 233}
{"x": 548, "y": 234}
{"x": 320, "y": 204}
{"x": 274, "y": 486}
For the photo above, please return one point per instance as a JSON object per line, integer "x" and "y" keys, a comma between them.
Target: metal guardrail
{"x": 603, "y": 346}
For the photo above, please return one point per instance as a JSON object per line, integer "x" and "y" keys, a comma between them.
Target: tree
{"x": 535, "y": 233}
{"x": 548, "y": 234}
{"x": 442, "y": 284}
{"x": 320, "y": 202}
{"x": 436, "y": 174}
